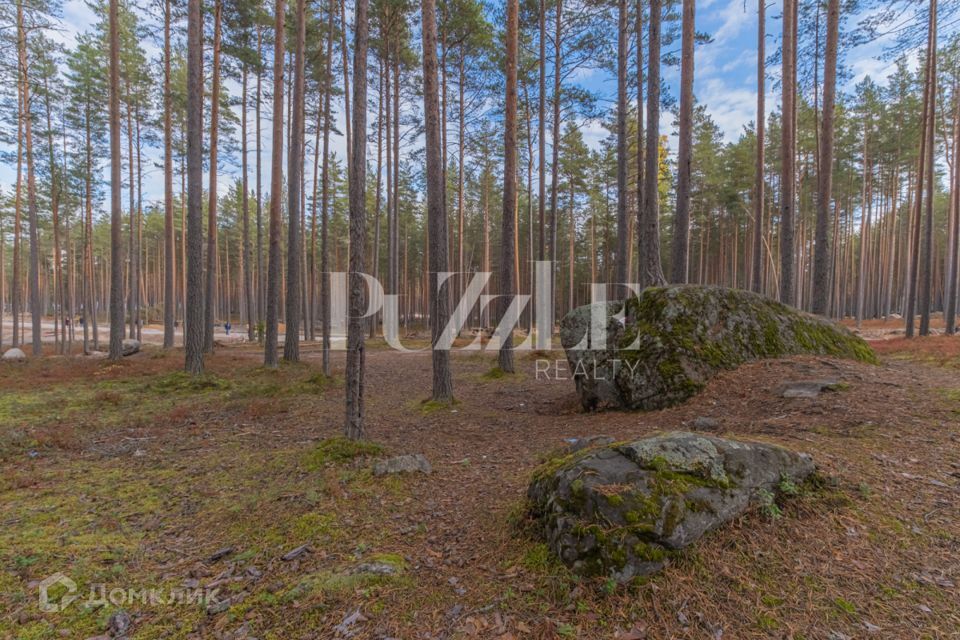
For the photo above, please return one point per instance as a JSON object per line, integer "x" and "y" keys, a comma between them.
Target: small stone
{"x": 376, "y": 568}
{"x": 293, "y": 554}
{"x": 806, "y": 388}
{"x": 14, "y": 355}
{"x": 414, "y": 463}
{"x": 129, "y": 347}
{"x": 218, "y": 607}
{"x": 220, "y": 554}
{"x": 705, "y": 423}
{"x": 119, "y": 624}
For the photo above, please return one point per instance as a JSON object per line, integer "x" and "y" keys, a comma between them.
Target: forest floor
{"x": 133, "y": 476}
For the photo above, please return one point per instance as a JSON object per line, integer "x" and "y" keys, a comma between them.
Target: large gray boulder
{"x": 14, "y": 355}
{"x": 671, "y": 340}
{"x": 620, "y": 510}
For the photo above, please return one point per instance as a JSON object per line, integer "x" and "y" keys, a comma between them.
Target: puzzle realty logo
{"x": 58, "y": 591}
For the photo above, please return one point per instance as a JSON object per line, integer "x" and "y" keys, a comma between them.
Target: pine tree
{"x": 193, "y": 308}
{"x": 354, "y": 427}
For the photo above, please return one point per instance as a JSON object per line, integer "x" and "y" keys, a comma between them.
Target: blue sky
{"x": 725, "y": 77}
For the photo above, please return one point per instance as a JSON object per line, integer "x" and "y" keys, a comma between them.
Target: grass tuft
{"x": 340, "y": 449}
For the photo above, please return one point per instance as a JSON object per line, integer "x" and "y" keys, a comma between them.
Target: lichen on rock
{"x": 621, "y": 510}
{"x": 669, "y": 341}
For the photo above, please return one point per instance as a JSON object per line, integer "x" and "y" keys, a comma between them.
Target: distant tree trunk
{"x": 246, "y": 260}
{"x": 756, "y": 279}
{"x": 638, "y": 28}
{"x": 291, "y": 344}
{"x": 346, "y": 82}
{"x": 169, "y": 261}
{"x": 681, "y": 220}
{"x": 926, "y": 246}
{"x": 131, "y": 221}
{"x": 34, "y": 272}
{"x": 788, "y": 153}
{"x": 395, "y": 200}
{"x": 505, "y": 356}
{"x": 622, "y": 235}
{"x": 15, "y": 301}
{"x": 821, "y": 260}
{"x": 324, "y": 250}
{"x": 354, "y": 423}
{"x": 116, "y": 248}
{"x": 651, "y": 271}
{"x": 436, "y": 215}
{"x": 382, "y": 76}
{"x": 864, "y": 225}
{"x": 210, "y": 306}
{"x": 261, "y": 280}
{"x": 311, "y": 320}
{"x": 193, "y": 312}
{"x": 89, "y": 279}
{"x": 555, "y": 159}
{"x": 270, "y": 355}
{"x": 950, "y": 312}
{"x": 57, "y": 283}
{"x": 542, "y": 133}
{"x": 392, "y": 237}
{"x": 461, "y": 152}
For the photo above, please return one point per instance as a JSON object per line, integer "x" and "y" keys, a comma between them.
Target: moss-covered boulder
{"x": 621, "y": 510}
{"x": 669, "y": 341}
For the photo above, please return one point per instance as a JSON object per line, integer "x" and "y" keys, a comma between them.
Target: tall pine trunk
{"x": 651, "y": 271}
{"x": 169, "y": 262}
{"x": 325, "y": 197}
{"x": 926, "y": 246}
{"x": 681, "y": 220}
{"x": 193, "y": 302}
{"x": 247, "y": 266}
{"x": 270, "y": 355}
{"x": 436, "y": 213}
{"x": 788, "y": 152}
{"x": 756, "y": 278}
{"x": 822, "y": 255}
{"x": 210, "y": 307}
{"x": 116, "y": 248}
{"x": 354, "y": 422}
{"x": 622, "y": 235}
{"x": 291, "y": 343}
{"x": 505, "y": 356}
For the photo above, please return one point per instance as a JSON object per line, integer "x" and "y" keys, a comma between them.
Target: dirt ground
{"x": 133, "y": 476}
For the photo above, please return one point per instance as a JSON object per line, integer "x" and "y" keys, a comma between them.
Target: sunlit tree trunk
{"x": 681, "y": 220}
